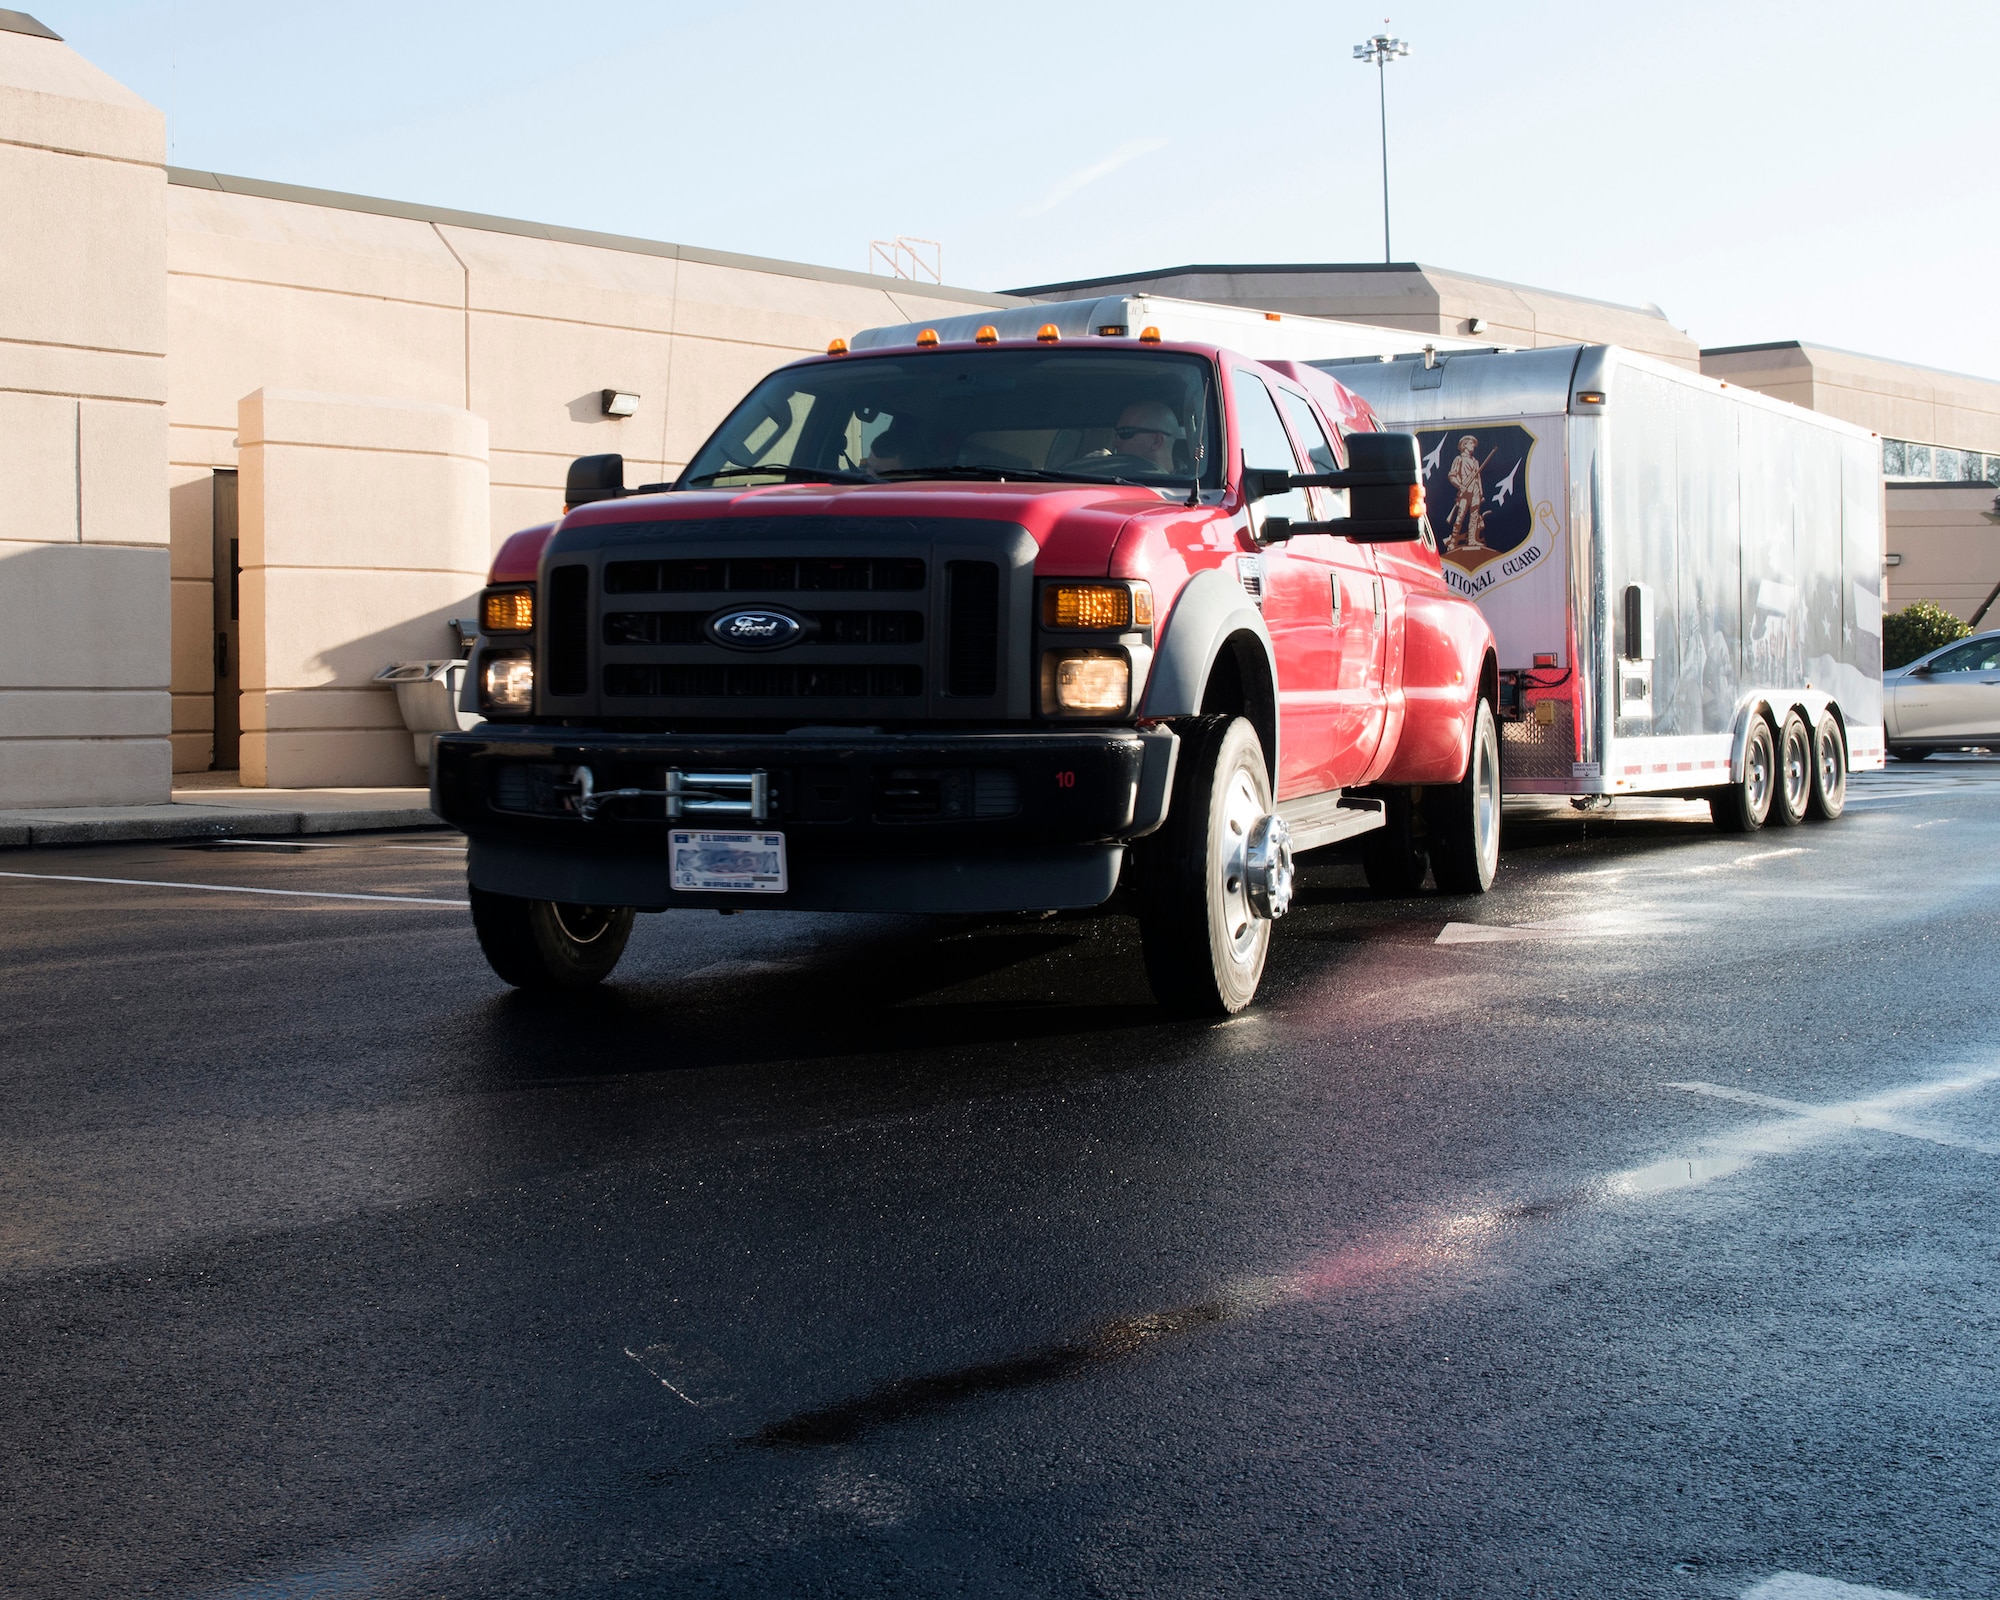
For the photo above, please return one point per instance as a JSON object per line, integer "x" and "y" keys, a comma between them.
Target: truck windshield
{"x": 1072, "y": 415}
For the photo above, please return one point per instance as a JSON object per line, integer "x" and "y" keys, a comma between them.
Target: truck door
{"x": 1298, "y": 601}
{"x": 1359, "y": 613}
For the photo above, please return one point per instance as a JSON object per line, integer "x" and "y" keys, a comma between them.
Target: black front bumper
{"x": 922, "y": 822}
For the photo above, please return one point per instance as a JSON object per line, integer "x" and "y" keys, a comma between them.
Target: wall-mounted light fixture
{"x": 1475, "y": 324}
{"x": 620, "y": 403}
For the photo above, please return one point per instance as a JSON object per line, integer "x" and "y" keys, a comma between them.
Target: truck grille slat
{"x": 569, "y": 631}
{"x": 760, "y": 681}
{"x": 824, "y": 627}
{"x": 765, "y": 575}
{"x": 972, "y": 611}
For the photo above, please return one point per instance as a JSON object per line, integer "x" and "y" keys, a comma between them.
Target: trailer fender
{"x": 1211, "y": 609}
{"x": 1812, "y": 706}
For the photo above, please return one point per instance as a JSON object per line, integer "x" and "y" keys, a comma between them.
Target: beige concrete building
{"x": 1940, "y": 459}
{"x": 1407, "y": 294}
{"x": 83, "y": 388}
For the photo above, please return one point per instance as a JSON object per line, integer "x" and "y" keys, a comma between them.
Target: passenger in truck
{"x": 1149, "y": 431}
{"x": 897, "y": 447}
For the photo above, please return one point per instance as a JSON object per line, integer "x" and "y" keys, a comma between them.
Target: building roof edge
{"x": 264, "y": 189}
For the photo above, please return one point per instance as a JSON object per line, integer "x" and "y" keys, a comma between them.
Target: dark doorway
{"x": 228, "y": 609}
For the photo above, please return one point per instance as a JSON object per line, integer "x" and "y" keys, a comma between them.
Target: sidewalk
{"x": 210, "y": 805}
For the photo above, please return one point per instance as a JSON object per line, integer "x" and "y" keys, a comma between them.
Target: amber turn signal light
{"x": 1097, "y": 605}
{"x": 508, "y": 611}
{"x": 927, "y": 340}
{"x": 1416, "y": 500}
{"x": 987, "y": 335}
{"x": 1048, "y": 333}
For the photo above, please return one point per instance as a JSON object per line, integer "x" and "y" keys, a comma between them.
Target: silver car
{"x": 1946, "y": 700}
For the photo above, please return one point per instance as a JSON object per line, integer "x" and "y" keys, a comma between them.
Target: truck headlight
{"x": 507, "y": 683}
{"x": 1087, "y": 683}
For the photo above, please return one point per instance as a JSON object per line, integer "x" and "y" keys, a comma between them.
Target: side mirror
{"x": 1922, "y": 669}
{"x": 594, "y": 478}
{"x": 1385, "y": 481}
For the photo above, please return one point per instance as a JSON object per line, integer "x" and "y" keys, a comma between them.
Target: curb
{"x": 205, "y": 822}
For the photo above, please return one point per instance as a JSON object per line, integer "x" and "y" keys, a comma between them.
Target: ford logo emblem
{"x": 755, "y": 629}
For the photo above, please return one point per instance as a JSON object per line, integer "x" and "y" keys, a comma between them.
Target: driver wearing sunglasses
{"x": 1148, "y": 430}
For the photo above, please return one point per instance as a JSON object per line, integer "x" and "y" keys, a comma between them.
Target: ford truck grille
{"x": 887, "y": 620}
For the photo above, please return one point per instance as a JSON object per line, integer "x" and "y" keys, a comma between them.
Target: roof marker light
{"x": 987, "y": 335}
{"x": 1274, "y": 316}
{"x": 836, "y": 347}
{"x": 1112, "y": 330}
{"x": 1149, "y": 336}
{"x": 1048, "y": 333}
{"x": 927, "y": 340}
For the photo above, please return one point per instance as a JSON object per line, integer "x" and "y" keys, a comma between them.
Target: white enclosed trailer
{"x": 1261, "y": 335}
{"x": 1676, "y": 571}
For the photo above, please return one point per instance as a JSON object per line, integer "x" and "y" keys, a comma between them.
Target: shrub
{"x": 1919, "y": 628}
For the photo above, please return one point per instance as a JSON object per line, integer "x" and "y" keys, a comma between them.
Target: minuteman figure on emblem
{"x": 1468, "y": 520}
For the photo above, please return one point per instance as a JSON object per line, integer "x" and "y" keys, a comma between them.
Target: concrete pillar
{"x": 364, "y": 532}
{"x": 83, "y": 436}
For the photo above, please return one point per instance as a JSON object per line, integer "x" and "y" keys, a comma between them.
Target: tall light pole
{"x": 1378, "y": 52}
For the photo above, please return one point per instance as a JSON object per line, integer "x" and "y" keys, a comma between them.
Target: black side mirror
{"x": 1922, "y": 669}
{"x": 1385, "y": 483}
{"x": 594, "y": 478}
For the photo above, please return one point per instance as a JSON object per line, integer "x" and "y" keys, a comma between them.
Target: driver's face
{"x": 1145, "y": 430}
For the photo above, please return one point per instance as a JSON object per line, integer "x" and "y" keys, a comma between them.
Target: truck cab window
{"x": 1071, "y": 415}
{"x": 1265, "y": 444}
{"x": 1326, "y": 503}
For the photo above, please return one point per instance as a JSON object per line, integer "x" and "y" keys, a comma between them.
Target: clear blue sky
{"x": 1762, "y": 171}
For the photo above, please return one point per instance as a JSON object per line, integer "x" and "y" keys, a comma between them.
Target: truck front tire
{"x": 538, "y": 944}
{"x": 1204, "y": 943}
{"x": 1463, "y": 820}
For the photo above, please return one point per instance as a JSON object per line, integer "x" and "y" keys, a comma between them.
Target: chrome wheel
{"x": 1243, "y": 809}
{"x": 1791, "y": 789}
{"x": 1829, "y": 788}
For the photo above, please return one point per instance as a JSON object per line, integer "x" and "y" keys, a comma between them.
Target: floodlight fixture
{"x": 1378, "y": 51}
{"x": 620, "y": 403}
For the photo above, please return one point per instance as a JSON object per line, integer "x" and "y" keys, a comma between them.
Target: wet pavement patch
{"x": 932, "y": 1392}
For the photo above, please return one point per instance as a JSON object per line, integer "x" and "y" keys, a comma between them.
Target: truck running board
{"x": 1317, "y": 819}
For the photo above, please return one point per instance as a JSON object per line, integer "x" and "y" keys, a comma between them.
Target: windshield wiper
{"x": 990, "y": 474}
{"x": 791, "y": 474}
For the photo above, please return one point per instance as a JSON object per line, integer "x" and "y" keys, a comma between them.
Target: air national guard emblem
{"x": 1476, "y": 484}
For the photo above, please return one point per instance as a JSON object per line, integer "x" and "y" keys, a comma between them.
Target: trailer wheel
{"x": 1791, "y": 792}
{"x": 1392, "y": 857}
{"x": 1463, "y": 819}
{"x": 538, "y": 944}
{"x": 1829, "y": 785}
{"x": 1742, "y": 807}
{"x": 1204, "y": 942}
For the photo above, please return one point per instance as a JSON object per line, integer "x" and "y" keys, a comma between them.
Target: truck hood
{"x": 1075, "y": 525}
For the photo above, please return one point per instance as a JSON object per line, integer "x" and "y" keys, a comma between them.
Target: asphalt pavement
{"x": 1627, "y": 1231}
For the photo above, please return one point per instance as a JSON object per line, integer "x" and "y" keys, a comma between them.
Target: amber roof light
{"x": 987, "y": 335}
{"x": 836, "y": 347}
{"x": 1149, "y": 335}
{"x": 927, "y": 340}
{"x": 1048, "y": 333}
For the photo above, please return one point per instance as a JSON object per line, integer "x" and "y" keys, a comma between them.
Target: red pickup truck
{"x": 985, "y": 626}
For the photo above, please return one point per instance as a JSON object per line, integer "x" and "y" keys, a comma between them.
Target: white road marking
{"x": 1871, "y": 1113}
{"x": 1751, "y": 860}
{"x": 1803, "y": 1586}
{"x": 303, "y": 844}
{"x": 235, "y": 888}
{"x": 1494, "y": 932}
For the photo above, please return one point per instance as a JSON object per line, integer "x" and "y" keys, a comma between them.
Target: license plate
{"x": 712, "y": 861}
